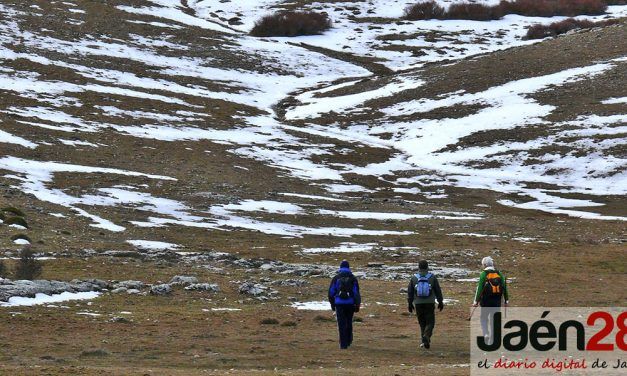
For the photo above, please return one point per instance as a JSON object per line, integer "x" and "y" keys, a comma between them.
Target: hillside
{"x": 148, "y": 139}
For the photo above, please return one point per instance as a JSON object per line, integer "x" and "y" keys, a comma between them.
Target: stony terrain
{"x": 204, "y": 185}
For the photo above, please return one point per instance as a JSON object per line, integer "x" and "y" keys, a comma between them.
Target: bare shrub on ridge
{"x": 424, "y": 11}
{"x": 531, "y": 8}
{"x": 540, "y": 31}
{"x": 291, "y": 24}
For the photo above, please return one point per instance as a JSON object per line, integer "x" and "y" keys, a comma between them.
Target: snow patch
{"x": 152, "y": 245}
{"x": 320, "y": 305}
{"x": 39, "y": 299}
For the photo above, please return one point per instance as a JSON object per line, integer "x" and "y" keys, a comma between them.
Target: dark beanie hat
{"x": 423, "y": 265}
{"x": 344, "y": 264}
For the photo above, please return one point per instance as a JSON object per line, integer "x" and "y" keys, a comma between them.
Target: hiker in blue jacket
{"x": 345, "y": 301}
{"x": 422, "y": 292}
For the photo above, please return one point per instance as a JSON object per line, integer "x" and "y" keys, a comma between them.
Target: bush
{"x": 531, "y": 8}
{"x": 550, "y": 8}
{"x": 424, "y": 11}
{"x": 556, "y": 28}
{"x": 95, "y": 353}
{"x": 291, "y": 24}
{"x": 21, "y": 236}
{"x": 269, "y": 322}
{"x": 16, "y": 221}
{"x": 27, "y": 266}
{"x": 13, "y": 210}
{"x": 324, "y": 318}
{"x": 398, "y": 242}
{"x": 572, "y": 8}
{"x": 471, "y": 11}
{"x": 3, "y": 269}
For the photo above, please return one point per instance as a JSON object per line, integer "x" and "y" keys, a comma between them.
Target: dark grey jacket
{"x": 436, "y": 292}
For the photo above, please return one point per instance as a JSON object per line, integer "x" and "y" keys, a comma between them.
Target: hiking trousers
{"x": 344, "y": 314}
{"x": 426, "y": 318}
{"x": 487, "y": 320}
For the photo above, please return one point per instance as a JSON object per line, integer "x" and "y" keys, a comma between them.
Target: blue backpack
{"x": 423, "y": 287}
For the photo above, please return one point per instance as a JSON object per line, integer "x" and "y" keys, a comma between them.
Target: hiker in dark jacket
{"x": 422, "y": 292}
{"x": 491, "y": 291}
{"x": 345, "y": 301}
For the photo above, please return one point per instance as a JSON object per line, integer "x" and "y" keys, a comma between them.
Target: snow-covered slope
{"x": 97, "y": 88}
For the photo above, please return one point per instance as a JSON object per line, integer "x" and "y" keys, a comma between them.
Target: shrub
{"x": 471, "y": 11}
{"x": 424, "y": 11}
{"x": 398, "y": 242}
{"x": 572, "y": 8}
{"x": 27, "y": 266}
{"x": 3, "y": 269}
{"x": 13, "y": 210}
{"x": 95, "y": 353}
{"x": 324, "y": 318}
{"x": 288, "y": 323}
{"x": 21, "y": 236}
{"x": 16, "y": 221}
{"x": 556, "y": 28}
{"x": 291, "y": 24}
{"x": 531, "y": 8}
{"x": 550, "y": 8}
{"x": 269, "y": 322}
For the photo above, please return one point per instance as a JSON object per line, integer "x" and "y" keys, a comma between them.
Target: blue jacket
{"x": 334, "y": 289}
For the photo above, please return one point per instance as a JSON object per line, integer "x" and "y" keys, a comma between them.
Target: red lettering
{"x": 622, "y": 330}
{"x": 559, "y": 366}
{"x": 504, "y": 363}
{"x": 593, "y": 343}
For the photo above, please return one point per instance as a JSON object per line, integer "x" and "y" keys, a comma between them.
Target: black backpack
{"x": 346, "y": 283}
{"x": 494, "y": 284}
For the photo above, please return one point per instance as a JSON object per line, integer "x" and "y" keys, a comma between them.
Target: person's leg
{"x": 421, "y": 319}
{"x": 342, "y": 324}
{"x": 423, "y": 312}
{"x": 485, "y": 317}
{"x": 429, "y": 315}
{"x": 349, "y": 318}
{"x": 492, "y": 311}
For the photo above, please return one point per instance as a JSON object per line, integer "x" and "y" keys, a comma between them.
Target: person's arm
{"x": 480, "y": 286}
{"x": 505, "y": 293}
{"x": 438, "y": 293}
{"x": 332, "y": 293}
{"x": 410, "y": 295}
{"x": 437, "y": 290}
{"x": 410, "y": 291}
{"x": 357, "y": 294}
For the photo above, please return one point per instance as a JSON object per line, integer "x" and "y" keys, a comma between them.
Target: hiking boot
{"x": 425, "y": 342}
